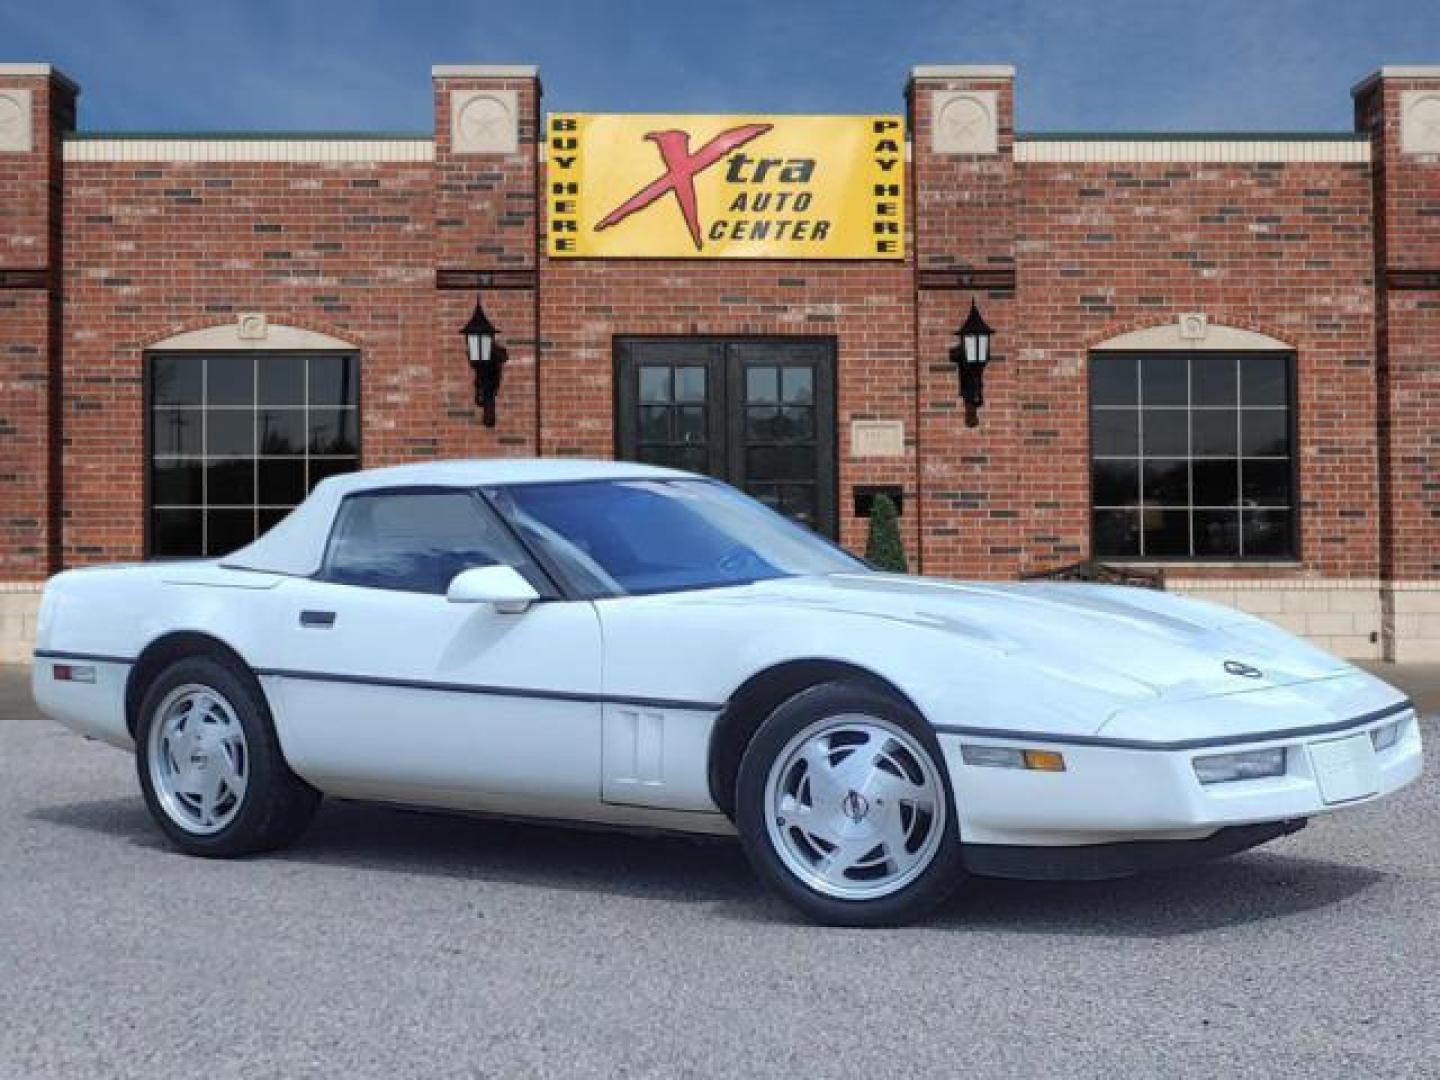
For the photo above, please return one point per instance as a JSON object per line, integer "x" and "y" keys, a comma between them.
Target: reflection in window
{"x": 236, "y": 441}
{"x": 1191, "y": 455}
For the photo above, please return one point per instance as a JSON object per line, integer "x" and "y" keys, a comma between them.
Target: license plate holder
{"x": 1345, "y": 769}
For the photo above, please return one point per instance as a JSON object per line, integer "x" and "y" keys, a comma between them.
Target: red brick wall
{"x": 1407, "y": 207}
{"x": 1101, "y": 249}
{"x": 1066, "y": 257}
{"x": 30, "y": 258}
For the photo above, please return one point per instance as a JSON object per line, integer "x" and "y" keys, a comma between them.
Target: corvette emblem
{"x": 855, "y": 806}
{"x": 681, "y": 168}
{"x": 1235, "y": 667}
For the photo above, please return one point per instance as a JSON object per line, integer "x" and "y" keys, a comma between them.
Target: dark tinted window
{"x": 416, "y": 541}
{"x": 1191, "y": 455}
{"x": 236, "y": 441}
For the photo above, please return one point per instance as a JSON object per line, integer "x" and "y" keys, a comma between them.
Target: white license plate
{"x": 1345, "y": 768}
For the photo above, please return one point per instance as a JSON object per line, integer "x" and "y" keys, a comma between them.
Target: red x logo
{"x": 681, "y": 168}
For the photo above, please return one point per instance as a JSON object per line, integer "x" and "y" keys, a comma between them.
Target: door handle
{"x": 320, "y": 620}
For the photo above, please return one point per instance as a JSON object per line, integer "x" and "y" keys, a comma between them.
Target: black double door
{"x": 758, "y": 413}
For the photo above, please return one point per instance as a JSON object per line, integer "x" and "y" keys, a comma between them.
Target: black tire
{"x": 276, "y": 805}
{"x": 806, "y": 709}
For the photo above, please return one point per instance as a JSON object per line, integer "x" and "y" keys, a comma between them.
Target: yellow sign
{"x": 727, "y": 187}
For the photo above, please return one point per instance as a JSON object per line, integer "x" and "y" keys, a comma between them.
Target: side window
{"x": 416, "y": 541}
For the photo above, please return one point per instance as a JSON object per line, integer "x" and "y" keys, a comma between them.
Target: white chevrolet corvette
{"x": 633, "y": 646}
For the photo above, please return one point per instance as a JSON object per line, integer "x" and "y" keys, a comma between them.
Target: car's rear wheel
{"x": 845, "y": 810}
{"x": 210, "y": 765}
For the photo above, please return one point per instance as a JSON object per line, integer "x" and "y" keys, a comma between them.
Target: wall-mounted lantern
{"x": 487, "y": 359}
{"x": 970, "y": 356}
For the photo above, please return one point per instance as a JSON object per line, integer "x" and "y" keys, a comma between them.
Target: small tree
{"x": 883, "y": 548}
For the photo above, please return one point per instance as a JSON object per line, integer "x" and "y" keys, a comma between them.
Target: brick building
{"x": 1213, "y": 352}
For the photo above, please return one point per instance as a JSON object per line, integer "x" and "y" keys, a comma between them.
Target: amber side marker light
{"x": 1008, "y": 757}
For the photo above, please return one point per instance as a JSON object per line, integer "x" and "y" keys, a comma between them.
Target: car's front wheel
{"x": 844, "y": 808}
{"x": 210, "y": 765}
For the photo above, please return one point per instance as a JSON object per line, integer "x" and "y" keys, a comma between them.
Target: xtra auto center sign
{"x": 732, "y": 187}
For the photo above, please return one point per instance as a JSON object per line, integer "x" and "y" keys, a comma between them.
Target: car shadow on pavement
{"x": 1245, "y": 889}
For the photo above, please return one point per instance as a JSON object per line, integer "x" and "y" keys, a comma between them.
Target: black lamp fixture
{"x": 487, "y": 357}
{"x": 970, "y": 356}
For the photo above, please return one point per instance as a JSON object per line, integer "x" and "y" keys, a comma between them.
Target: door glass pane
{"x": 797, "y": 423}
{"x": 690, "y": 384}
{"x": 654, "y": 423}
{"x": 655, "y": 384}
{"x": 762, "y": 422}
{"x": 780, "y": 462}
{"x": 762, "y": 385}
{"x": 797, "y": 386}
{"x": 690, "y": 423}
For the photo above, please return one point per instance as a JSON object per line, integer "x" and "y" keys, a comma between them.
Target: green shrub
{"x": 884, "y": 549}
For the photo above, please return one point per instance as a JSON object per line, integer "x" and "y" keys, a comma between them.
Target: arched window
{"x": 1192, "y": 448}
{"x": 237, "y": 435}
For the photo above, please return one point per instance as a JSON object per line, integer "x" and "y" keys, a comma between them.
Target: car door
{"x": 390, "y": 691}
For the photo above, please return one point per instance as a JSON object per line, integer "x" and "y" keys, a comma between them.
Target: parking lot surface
{"x": 393, "y": 944}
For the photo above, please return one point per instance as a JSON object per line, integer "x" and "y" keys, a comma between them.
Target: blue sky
{"x": 364, "y": 64}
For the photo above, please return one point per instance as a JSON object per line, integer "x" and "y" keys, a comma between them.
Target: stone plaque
{"x": 1420, "y": 122}
{"x": 16, "y": 129}
{"x": 877, "y": 438}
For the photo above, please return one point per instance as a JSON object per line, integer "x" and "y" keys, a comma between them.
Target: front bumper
{"x": 1117, "y": 794}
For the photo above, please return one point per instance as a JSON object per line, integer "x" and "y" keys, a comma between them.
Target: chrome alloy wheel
{"x": 855, "y": 807}
{"x": 198, "y": 759}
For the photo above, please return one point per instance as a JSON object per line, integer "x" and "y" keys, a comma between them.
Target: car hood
{"x": 1132, "y": 643}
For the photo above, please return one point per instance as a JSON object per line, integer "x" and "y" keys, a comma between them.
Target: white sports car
{"x": 633, "y": 646}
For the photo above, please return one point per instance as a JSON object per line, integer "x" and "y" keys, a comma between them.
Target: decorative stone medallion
{"x": 1420, "y": 121}
{"x": 1194, "y": 326}
{"x": 484, "y": 122}
{"x": 16, "y": 135}
{"x": 252, "y": 326}
{"x": 965, "y": 122}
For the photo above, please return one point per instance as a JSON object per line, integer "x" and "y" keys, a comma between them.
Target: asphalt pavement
{"x": 396, "y": 944}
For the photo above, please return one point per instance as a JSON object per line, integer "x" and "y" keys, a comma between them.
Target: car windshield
{"x": 629, "y": 537}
